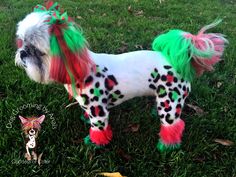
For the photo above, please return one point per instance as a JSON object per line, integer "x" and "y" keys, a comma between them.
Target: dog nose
{"x": 23, "y": 54}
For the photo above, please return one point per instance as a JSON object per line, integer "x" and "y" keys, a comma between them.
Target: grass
{"x": 110, "y": 27}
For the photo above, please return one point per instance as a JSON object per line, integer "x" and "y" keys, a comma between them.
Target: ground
{"x": 115, "y": 26}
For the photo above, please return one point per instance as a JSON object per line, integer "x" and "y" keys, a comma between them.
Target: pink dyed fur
{"x": 215, "y": 41}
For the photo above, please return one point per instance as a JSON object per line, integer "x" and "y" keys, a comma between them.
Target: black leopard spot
{"x": 104, "y": 100}
{"x": 91, "y": 91}
{"x": 168, "y": 109}
{"x": 97, "y": 111}
{"x": 159, "y": 108}
{"x": 169, "y": 121}
{"x": 152, "y": 86}
{"x": 177, "y": 90}
{"x": 156, "y": 79}
{"x": 93, "y": 111}
{"x": 85, "y": 98}
{"x": 88, "y": 80}
{"x": 100, "y": 128}
{"x": 149, "y": 80}
{"x": 121, "y": 96}
{"x": 98, "y": 74}
{"x": 97, "y": 84}
{"x": 110, "y": 82}
{"x": 117, "y": 92}
{"x": 95, "y": 98}
{"x": 105, "y": 69}
{"x": 162, "y": 116}
{"x": 163, "y": 78}
{"x": 167, "y": 67}
{"x": 175, "y": 79}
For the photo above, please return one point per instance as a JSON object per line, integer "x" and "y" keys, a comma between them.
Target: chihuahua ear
{"x": 23, "y": 120}
{"x": 41, "y": 119}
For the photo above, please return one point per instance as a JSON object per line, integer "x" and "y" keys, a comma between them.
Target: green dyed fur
{"x": 88, "y": 142}
{"x": 164, "y": 147}
{"x": 175, "y": 48}
{"x": 85, "y": 120}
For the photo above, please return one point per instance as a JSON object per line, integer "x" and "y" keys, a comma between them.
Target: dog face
{"x": 33, "y": 53}
{"x": 31, "y": 126}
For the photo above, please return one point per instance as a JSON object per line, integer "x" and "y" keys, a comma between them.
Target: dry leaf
{"x": 72, "y": 104}
{"x": 132, "y": 128}
{"x": 139, "y": 47}
{"x": 115, "y": 174}
{"x": 39, "y": 158}
{"x": 139, "y": 13}
{"x": 91, "y": 10}
{"x": 197, "y": 109}
{"x": 219, "y": 84}
{"x": 224, "y": 142}
{"x": 123, "y": 155}
{"x": 123, "y": 49}
{"x": 130, "y": 9}
{"x": 79, "y": 17}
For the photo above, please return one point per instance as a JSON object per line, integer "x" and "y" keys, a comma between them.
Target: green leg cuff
{"x": 167, "y": 147}
{"x": 88, "y": 142}
{"x": 85, "y": 120}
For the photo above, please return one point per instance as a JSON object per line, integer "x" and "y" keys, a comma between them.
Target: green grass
{"x": 107, "y": 25}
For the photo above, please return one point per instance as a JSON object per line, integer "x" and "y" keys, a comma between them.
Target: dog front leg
{"x": 100, "y": 132}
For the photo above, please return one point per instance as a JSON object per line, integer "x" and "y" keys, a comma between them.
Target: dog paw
{"x": 167, "y": 147}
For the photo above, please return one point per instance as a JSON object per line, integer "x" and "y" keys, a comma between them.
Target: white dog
{"x": 51, "y": 48}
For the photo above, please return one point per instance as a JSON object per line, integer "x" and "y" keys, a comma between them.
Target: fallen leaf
{"x": 115, "y": 174}
{"x": 132, "y": 128}
{"x": 79, "y": 17}
{"x": 224, "y": 142}
{"x": 219, "y": 84}
{"x": 72, "y": 104}
{"x": 130, "y": 10}
{"x": 39, "y": 158}
{"x": 139, "y": 13}
{"x": 123, "y": 155}
{"x": 91, "y": 10}
{"x": 139, "y": 47}
{"x": 123, "y": 49}
{"x": 197, "y": 109}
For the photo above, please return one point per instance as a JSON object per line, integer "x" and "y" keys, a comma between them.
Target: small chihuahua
{"x": 31, "y": 127}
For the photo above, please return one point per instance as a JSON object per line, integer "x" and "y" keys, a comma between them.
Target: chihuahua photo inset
{"x": 31, "y": 127}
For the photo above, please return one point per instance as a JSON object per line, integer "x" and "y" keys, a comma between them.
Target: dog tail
{"x": 190, "y": 55}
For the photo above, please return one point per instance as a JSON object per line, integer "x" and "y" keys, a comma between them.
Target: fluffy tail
{"x": 191, "y": 55}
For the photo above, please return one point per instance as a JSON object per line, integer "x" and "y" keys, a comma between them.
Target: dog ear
{"x": 23, "y": 120}
{"x": 41, "y": 119}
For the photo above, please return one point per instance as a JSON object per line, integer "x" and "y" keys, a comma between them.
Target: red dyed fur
{"x": 78, "y": 64}
{"x": 171, "y": 134}
{"x": 101, "y": 137}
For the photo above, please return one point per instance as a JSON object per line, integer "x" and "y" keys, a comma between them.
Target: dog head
{"x": 33, "y": 53}
{"x": 51, "y": 47}
{"x": 32, "y": 125}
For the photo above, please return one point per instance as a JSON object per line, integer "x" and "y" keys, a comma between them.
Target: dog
{"x": 51, "y": 48}
{"x": 31, "y": 127}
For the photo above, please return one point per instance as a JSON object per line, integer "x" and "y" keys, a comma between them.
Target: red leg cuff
{"x": 101, "y": 137}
